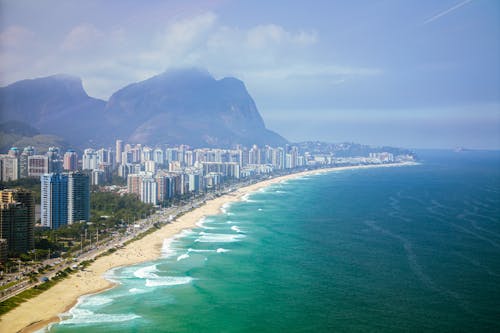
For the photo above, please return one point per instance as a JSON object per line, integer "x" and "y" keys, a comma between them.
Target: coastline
{"x": 44, "y": 309}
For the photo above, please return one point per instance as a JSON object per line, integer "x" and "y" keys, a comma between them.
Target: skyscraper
{"x": 4, "y": 249}
{"x": 38, "y": 165}
{"x": 158, "y": 156}
{"x": 54, "y": 200}
{"x": 55, "y": 162}
{"x": 134, "y": 183}
{"x": 149, "y": 190}
{"x": 23, "y": 161}
{"x": 17, "y": 219}
{"x": 119, "y": 150}
{"x": 9, "y": 167}
{"x": 90, "y": 160}
{"x": 194, "y": 182}
{"x": 65, "y": 198}
{"x": 70, "y": 160}
{"x": 78, "y": 197}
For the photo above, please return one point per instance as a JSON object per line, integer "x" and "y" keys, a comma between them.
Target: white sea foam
{"x": 246, "y": 198}
{"x": 168, "y": 250}
{"x": 82, "y": 317}
{"x": 235, "y": 228}
{"x": 136, "y": 290}
{"x": 95, "y": 301}
{"x": 147, "y": 272}
{"x": 260, "y": 209}
{"x": 201, "y": 222}
{"x": 196, "y": 250}
{"x": 219, "y": 238}
{"x": 168, "y": 281}
{"x": 112, "y": 276}
{"x": 221, "y": 250}
{"x": 224, "y": 207}
{"x": 182, "y": 256}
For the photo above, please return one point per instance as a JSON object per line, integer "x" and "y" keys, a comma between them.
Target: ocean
{"x": 413, "y": 248}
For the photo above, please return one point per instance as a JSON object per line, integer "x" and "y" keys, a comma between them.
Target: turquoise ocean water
{"x": 384, "y": 250}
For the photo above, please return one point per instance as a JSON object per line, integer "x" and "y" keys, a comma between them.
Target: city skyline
{"x": 413, "y": 74}
{"x": 157, "y": 175}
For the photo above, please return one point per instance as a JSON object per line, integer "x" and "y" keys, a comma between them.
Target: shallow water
{"x": 392, "y": 249}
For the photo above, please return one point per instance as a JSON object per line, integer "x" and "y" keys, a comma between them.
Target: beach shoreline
{"x": 44, "y": 309}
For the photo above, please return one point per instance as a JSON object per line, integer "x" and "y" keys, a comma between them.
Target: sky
{"x": 415, "y": 73}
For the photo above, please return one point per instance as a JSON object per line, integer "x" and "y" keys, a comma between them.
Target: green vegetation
{"x": 8, "y": 285}
{"x": 142, "y": 235}
{"x": 22, "y": 297}
{"x": 118, "y": 208}
{"x": 110, "y": 213}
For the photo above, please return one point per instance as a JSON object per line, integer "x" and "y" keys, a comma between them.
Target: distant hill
{"x": 15, "y": 133}
{"x": 191, "y": 107}
{"x": 18, "y": 128}
{"x": 56, "y": 105}
{"x": 348, "y": 149}
{"x": 180, "y": 106}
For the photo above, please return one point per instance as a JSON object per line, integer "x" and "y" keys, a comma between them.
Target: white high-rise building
{"x": 158, "y": 156}
{"x": 149, "y": 190}
{"x": 9, "y": 168}
{"x": 194, "y": 182}
{"x": 150, "y": 166}
{"x": 147, "y": 154}
{"x": 90, "y": 160}
{"x": 119, "y": 150}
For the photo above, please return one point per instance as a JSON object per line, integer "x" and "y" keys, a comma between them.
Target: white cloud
{"x": 109, "y": 57}
{"x": 15, "y": 37}
{"x": 81, "y": 37}
{"x": 184, "y": 33}
{"x": 270, "y": 35}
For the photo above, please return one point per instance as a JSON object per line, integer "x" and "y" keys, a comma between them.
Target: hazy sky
{"x": 406, "y": 73}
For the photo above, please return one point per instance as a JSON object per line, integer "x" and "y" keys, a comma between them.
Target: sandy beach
{"x": 38, "y": 312}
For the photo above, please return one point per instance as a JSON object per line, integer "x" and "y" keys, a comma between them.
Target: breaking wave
{"x": 219, "y": 238}
{"x": 168, "y": 281}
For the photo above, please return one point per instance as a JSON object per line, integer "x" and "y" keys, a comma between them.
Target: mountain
{"x": 188, "y": 106}
{"x": 14, "y": 133}
{"x": 56, "y": 105}
{"x": 18, "y": 128}
{"x": 180, "y": 106}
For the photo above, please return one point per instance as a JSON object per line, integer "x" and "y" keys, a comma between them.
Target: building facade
{"x": 17, "y": 220}
{"x": 38, "y": 165}
{"x": 70, "y": 162}
{"x": 54, "y": 199}
{"x": 78, "y": 197}
{"x": 9, "y": 167}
